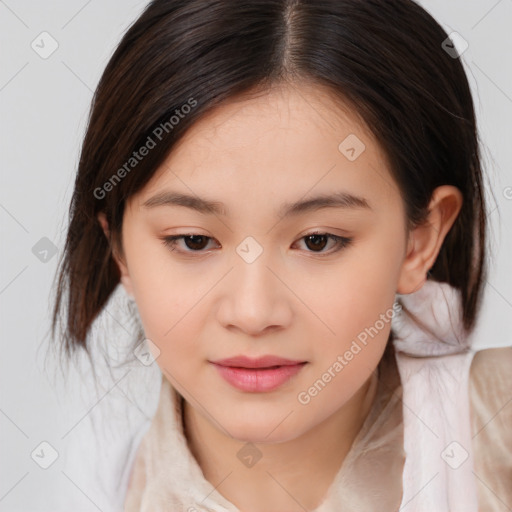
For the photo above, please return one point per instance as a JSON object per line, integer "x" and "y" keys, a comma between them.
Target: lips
{"x": 259, "y": 375}
{"x": 268, "y": 361}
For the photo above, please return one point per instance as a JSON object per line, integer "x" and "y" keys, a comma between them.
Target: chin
{"x": 271, "y": 431}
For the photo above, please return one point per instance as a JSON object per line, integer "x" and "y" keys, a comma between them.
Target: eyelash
{"x": 341, "y": 242}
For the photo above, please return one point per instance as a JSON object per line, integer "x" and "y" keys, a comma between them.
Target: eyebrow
{"x": 206, "y": 206}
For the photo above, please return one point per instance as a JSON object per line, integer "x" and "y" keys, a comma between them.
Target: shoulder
{"x": 490, "y": 385}
{"x": 490, "y": 377}
{"x": 490, "y": 393}
{"x": 500, "y": 358}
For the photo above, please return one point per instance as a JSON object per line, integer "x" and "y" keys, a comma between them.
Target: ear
{"x": 123, "y": 269}
{"x": 425, "y": 240}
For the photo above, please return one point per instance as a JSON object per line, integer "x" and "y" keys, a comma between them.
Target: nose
{"x": 255, "y": 299}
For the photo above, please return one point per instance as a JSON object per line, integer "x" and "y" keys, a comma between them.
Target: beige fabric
{"x": 165, "y": 476}
{"x": 490, "y": 390}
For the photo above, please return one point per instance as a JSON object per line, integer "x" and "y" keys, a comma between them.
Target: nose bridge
{"x": 252, "y": 276}
{"x": 255, "y": 298}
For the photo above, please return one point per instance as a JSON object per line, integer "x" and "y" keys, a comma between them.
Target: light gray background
{"x": 44, "y": 106}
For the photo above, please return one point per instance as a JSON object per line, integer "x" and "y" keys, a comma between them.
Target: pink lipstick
{"x": 257, "y": 375}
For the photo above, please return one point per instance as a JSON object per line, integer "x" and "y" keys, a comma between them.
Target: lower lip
{"x": 258, "y": 379}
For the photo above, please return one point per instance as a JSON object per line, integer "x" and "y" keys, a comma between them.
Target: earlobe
{"x": 102, "y": 219}
{"x": 127, "y": 284}
{"x": 425, "y": 240}
{"x": 123, "y": 269}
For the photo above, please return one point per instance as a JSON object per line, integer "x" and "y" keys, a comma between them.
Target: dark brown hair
{"x": 385, "y": 58}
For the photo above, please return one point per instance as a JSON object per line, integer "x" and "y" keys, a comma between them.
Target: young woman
{"x": 291, "y": 192}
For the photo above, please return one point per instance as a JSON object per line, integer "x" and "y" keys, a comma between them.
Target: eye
{"x": 315, "y": 241}
{"x": 193, "y": 242}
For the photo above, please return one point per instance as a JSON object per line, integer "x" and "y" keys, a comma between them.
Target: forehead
{"x": 287, "y": 111}
{"x": 280, "y": 144}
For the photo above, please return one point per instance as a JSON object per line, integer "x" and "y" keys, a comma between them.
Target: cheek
{"x": 356, "y": 304}
{"x": 353, "y": 294}
{"x": 174, "y": 325}
{"x": 168, "y": 302}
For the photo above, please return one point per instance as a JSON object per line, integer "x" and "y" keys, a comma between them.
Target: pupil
{"x": 316, "y": 237}
{"x": 193, "y": 239}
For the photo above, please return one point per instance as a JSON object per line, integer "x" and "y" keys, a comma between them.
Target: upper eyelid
{"x": 315, "y": 231}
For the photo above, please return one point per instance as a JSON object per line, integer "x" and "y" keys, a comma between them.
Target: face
{"x": 249, "y": 276}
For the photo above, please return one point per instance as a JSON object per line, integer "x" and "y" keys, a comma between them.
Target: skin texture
{"x": 297, "y": 300}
